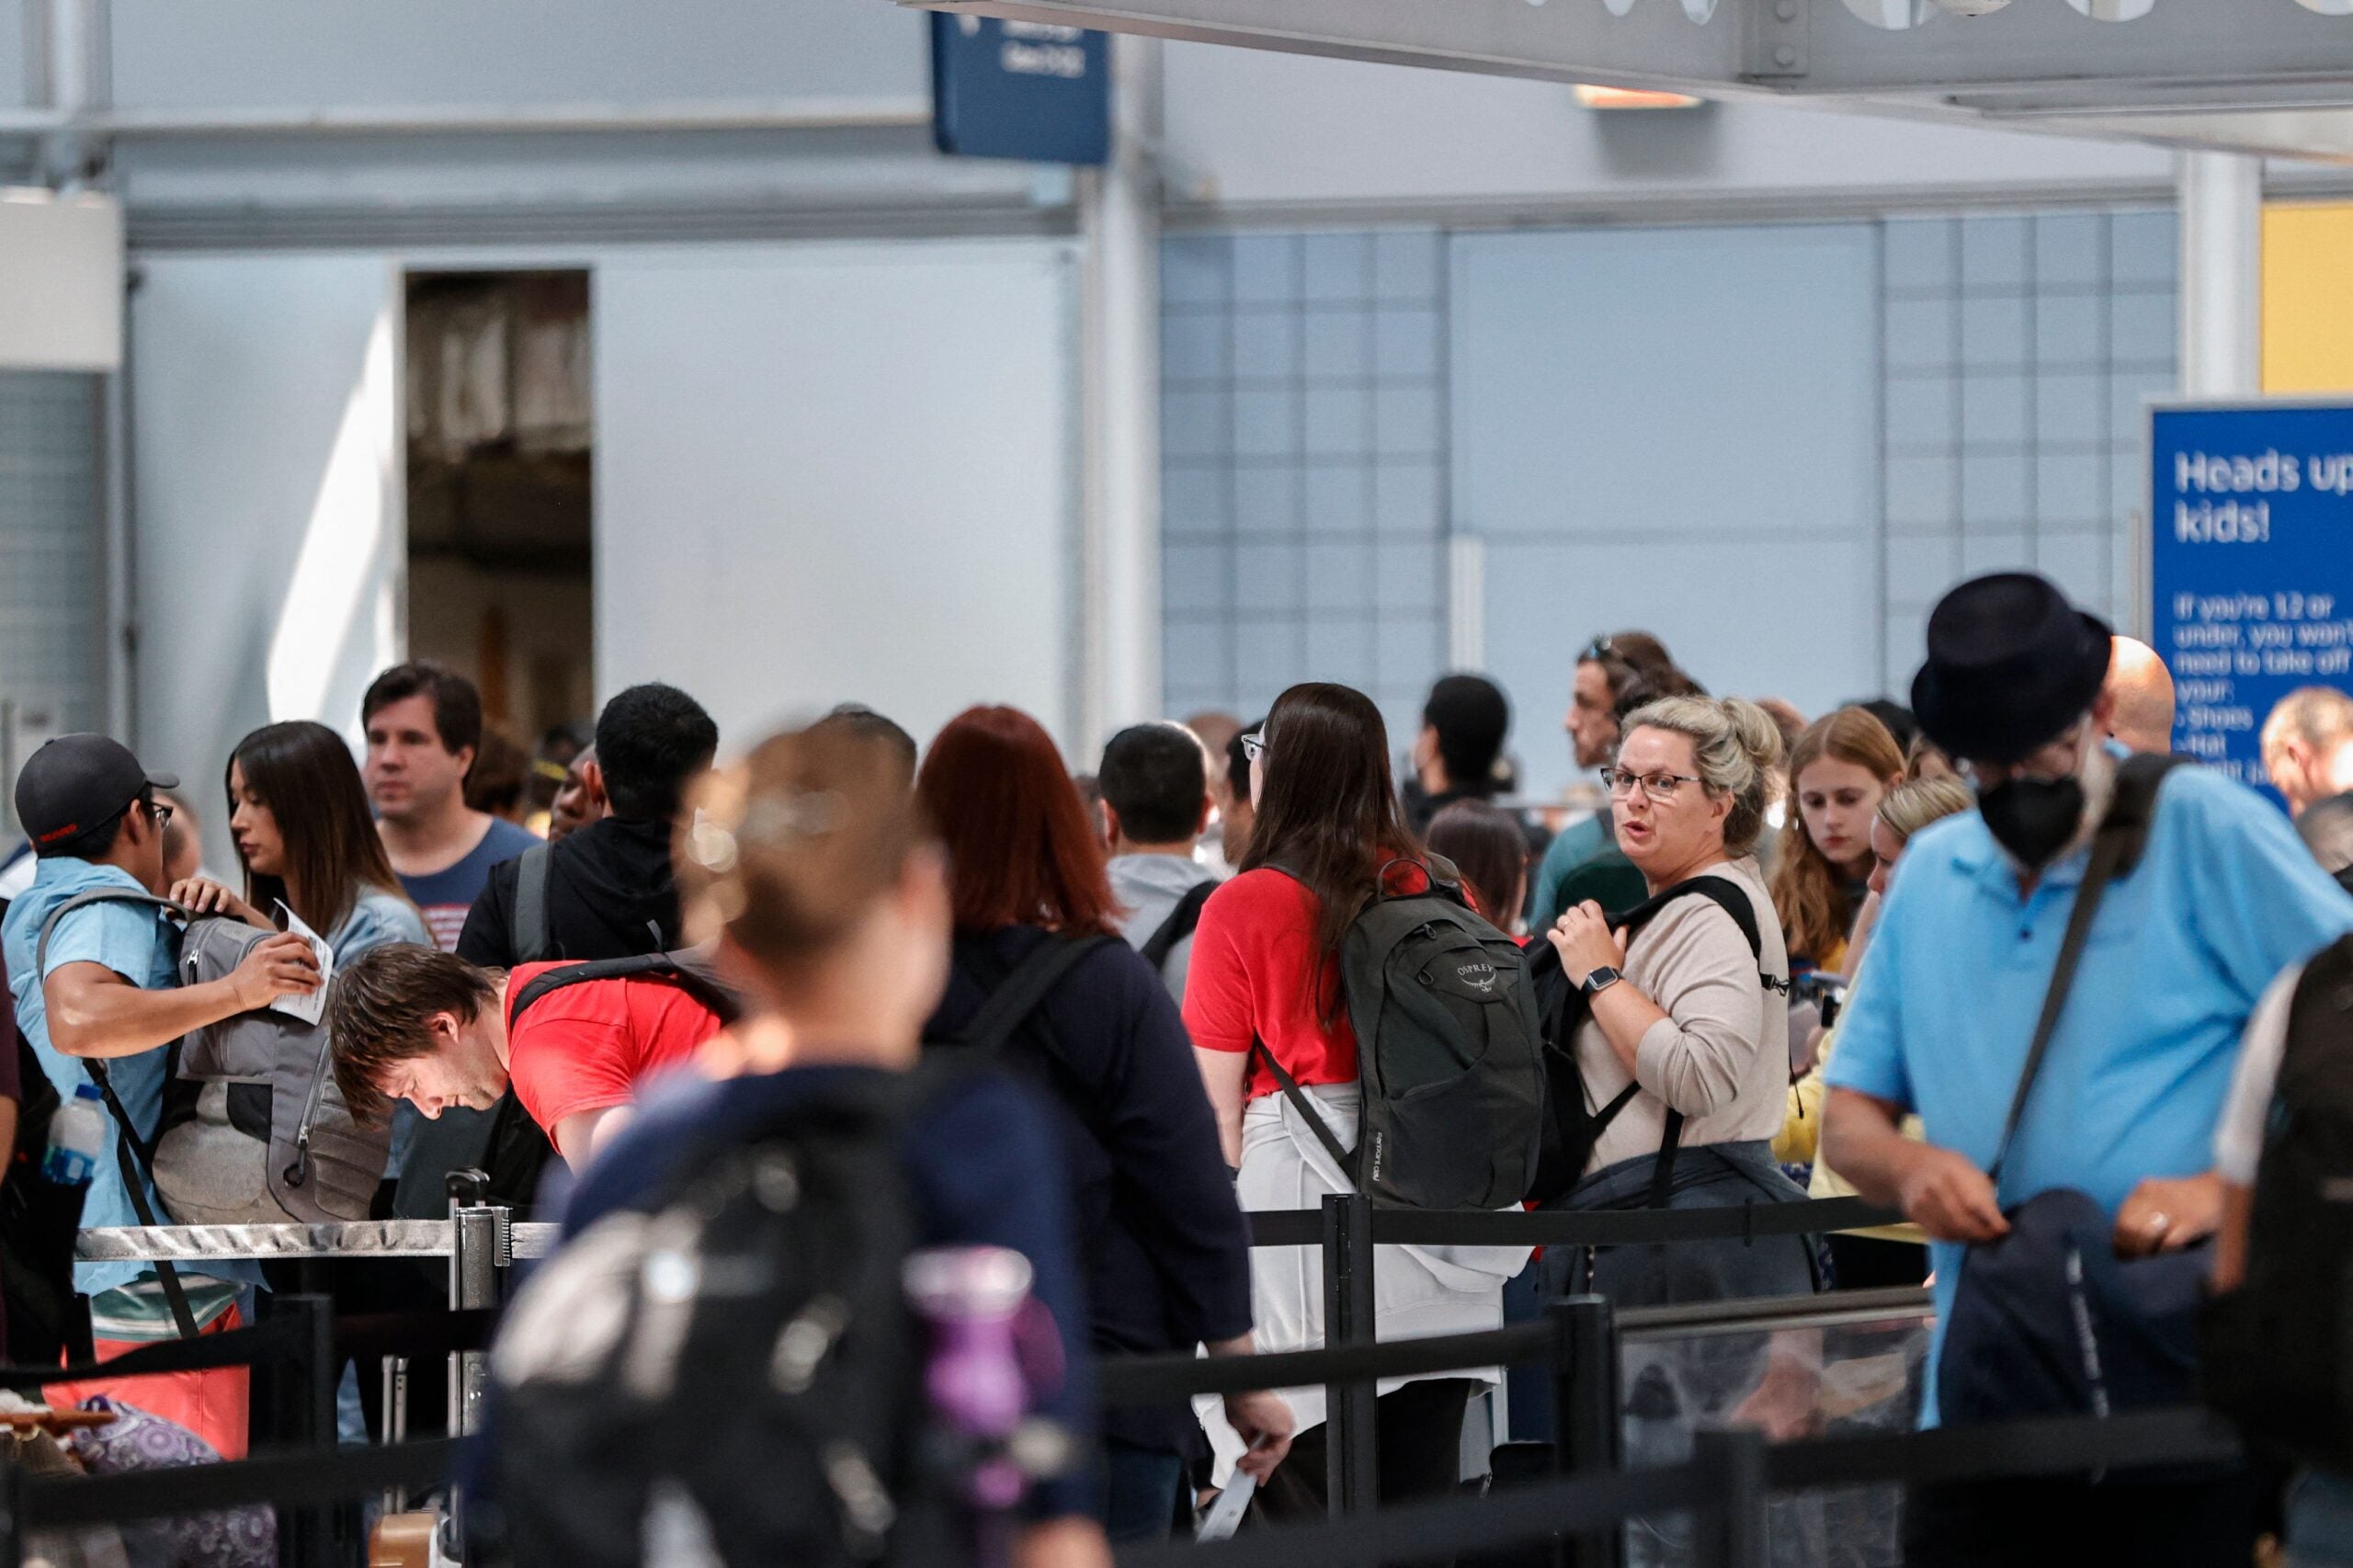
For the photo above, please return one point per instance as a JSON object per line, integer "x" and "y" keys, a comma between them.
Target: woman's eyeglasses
{"x": 1600, "y": 648}
{"x": 1662, "y": 788}
{"x": 1254, "y": 745}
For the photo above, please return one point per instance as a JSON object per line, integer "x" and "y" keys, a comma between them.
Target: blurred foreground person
{"x": 729, "y": 1361}
{"x": 2057, "y": 986}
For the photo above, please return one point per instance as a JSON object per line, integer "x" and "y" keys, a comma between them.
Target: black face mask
{"x": 2034, "y": 819}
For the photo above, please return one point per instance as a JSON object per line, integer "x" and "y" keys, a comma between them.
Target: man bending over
{"x": 416, "y": 1024}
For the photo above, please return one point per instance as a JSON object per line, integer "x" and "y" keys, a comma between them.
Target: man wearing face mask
{"x": 2123, "y": 1105}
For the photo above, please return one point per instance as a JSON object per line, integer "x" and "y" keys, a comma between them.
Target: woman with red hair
{"x": 1166, "y": 1255}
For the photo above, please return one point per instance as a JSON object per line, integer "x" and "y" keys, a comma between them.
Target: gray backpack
{"x": 271, "y": 1140}
{"x": 1449, "y": 1047}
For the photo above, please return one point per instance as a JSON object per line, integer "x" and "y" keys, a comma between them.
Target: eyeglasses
{"x": 161, "y": 811}
{"x": 1254, "y": 745}
{"x": 1600, "y": 648}
{"x": 1662, "y": 788}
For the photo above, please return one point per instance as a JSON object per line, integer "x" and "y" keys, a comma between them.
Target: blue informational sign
{"x": 2250, "y": 565}
{"x": 1027, "y": 90}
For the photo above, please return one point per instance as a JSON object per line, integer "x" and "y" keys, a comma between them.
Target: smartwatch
{"x": 1600, "y": 980}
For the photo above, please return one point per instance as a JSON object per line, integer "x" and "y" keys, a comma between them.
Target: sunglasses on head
{"x": 1600, "y": 648}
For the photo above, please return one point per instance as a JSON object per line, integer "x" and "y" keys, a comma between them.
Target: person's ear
{"x": 2104, "y": 713}
{"x": 1202, "y": 817}
{"x": 465, "y": 756}
{"x": 1110, "y": 824}
{"x": 592, "y": 785}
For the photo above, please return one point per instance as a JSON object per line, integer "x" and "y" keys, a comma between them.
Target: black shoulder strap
{"x": 671, "y": 968}
{"x": 2117, "y": 848}
{"x": 132, "y": 1157}
{"x": 1181, "y": 922}
{"x": 136, "y": 1164}
{"x": 1023, "y": 991}
{"x": 1306, "y": 1108}
{"x": 533, "y": 869}
{"x": 1733, "y": 900}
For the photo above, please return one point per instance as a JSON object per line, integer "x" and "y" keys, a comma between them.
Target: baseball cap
{"x": 74, "y": 783}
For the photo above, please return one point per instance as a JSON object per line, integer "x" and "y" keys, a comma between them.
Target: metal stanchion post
{"x": 306, "y": 1419}
{"x": 1586, "y": 1429}
{"x": 1351, "y": 1443}
{"x": 12, "y": 1515}
{"x": 396, "y": 1423}
{"x": 480, "y": 1238}
{"x": 1731, "y": 1534}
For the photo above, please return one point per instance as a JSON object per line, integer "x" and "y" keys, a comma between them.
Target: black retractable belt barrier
{"x": 1578, "y": 1227}
{"x": 2066, "y": 1445}
{"x": 287, "y": 1480}
{"x": 1166, "y": 1380}
{"x": 275, "y": 1339}
{"x": 1443, "y": 1529}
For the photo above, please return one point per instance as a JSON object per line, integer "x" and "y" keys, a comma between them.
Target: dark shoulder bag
{"x": 2047, "y": 1320}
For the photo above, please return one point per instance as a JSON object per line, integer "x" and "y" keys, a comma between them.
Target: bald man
{"x": 2143, "y": 692}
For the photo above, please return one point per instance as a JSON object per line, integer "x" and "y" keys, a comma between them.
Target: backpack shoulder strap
{"x": 2117, "y": 848}
{"x": 1306, "y": 1108}
{"x": 1181, "y": 922}
{"x": 84, "y": 900}
{"x": 670, "y": 967}
{"x": 533, "y": 870}
{"x": 135, "y": 1161}
{"x": 1023, "y": 991}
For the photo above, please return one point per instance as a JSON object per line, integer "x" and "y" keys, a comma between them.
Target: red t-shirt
{"x": 1254, "y": 962}
{"x": 589, "y": 1046}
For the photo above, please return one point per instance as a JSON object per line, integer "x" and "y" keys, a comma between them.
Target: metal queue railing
{"x": 1577, "y": 1340}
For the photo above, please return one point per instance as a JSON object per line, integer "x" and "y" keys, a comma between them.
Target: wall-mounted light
{"x": 1592, "y": 97}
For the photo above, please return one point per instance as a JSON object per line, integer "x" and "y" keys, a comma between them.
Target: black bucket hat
{"x": 2011, "y": 665}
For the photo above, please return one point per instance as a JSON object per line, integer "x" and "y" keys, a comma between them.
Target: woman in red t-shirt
{"x": 1264, "y": 979}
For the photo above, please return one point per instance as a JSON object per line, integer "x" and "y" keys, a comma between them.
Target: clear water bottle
{"x": 77, "y": 1135}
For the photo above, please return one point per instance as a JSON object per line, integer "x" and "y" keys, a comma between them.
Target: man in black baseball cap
{"x": 72, "y": 794}
{"x": 100, "y": 986}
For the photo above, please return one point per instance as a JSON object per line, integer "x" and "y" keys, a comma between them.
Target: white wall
{"x": 1673, "y": 429}
{"x": 263, "y": 409}
{"x": 830, "y": 473}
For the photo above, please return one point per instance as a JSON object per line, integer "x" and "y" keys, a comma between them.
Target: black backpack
{"x": 2276, "y": 1354}
{"x": 732, "y": 1374}
{"x": 1449, "y": 1046}
{"x": 1572, "y": 1127}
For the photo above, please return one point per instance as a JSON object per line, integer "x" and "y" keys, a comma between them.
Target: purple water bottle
{"x": 972, "y": 1296}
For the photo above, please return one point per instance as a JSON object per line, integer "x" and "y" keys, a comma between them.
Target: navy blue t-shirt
{"x": 445, "y": 897}
{"x": 981, "y": 1157}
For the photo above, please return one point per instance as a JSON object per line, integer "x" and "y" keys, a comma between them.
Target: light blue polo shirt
{"x": 2134, "y": 1083}
{"x": 134, "y": 941}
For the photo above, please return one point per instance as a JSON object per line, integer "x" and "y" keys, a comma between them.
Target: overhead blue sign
{"x": 1027, "y": 90}
{"x": 2250, "y": 565}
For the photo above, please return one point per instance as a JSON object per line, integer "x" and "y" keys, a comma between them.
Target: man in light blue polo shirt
{"x": 2125, "y": 1105}
{"x": 104, "y": 988}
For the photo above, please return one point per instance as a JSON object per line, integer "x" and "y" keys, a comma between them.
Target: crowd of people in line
{"x": 1953, "y": 955}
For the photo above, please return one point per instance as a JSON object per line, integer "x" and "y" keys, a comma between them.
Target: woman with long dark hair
{"x": 298, "y": 815}
{"x": 1266, "y": 978}
{"x": 307, "y": 841}
{"x": 1166, "y": 1255}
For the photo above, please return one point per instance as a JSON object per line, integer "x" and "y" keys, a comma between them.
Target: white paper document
{"x": 313, "y": 1007}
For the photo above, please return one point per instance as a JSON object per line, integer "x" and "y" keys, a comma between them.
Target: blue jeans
{"x": 1140, "y": 1492}
{"x": 2320, "y": 1520}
